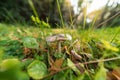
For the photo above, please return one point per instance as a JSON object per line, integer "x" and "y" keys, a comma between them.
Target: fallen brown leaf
{"x": 75, "y": 55}
{"x": 116, "y": 73}
{"x": 56, "y": 66}
{"x": 110, "y": 76}
{"x": 26, "y": 51}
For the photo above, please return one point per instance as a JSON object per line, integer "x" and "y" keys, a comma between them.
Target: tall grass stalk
{"x": 115, "y": 35}
{"x": 71, "y": 19}
{"x": 94, "y": 20}
{"x": 33, "y": 8}
{"x": 92, "y": 25}
{"x": 61, "y": 17}
{"x": 85, "y": 15}
{"x": 36, "y": 19}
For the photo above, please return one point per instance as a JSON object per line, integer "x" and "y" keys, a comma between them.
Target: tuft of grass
{"x": 115, "y": 35}
{"x": 60, "y": 14}
{"x": 33, "y": 8}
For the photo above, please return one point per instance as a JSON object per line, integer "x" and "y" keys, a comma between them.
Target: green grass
{"x": 104, "y": 33}
{"x": 27, "y": 43}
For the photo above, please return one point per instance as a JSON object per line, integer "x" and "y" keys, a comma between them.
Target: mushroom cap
{"x": 58, "y": 37}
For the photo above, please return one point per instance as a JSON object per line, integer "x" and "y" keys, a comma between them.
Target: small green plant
{"x": 79, "y": 58}
{"x": 36, "y": 19}
{"x": 13, "y": 66}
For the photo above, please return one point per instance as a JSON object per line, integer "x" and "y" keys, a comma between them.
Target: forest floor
{"x": 76, "y": 55}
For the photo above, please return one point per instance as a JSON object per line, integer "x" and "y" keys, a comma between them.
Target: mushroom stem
{"x": 59, "y": 46}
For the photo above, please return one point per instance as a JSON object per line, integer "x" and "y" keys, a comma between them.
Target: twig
{"x": 103, "y": 60}
{"x": 90, "y": 62}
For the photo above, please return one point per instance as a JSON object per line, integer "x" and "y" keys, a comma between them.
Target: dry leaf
{"x": 58, "y": 63}
{"x": 81, "y": 68}
{"x": 110, "y": 76}
{"x": 75, "y": 55}
{"x": 26, "y": 51}
{"x": 66, "y": 49}
{"x": 56, "y": 66}
{"x": 116, "y": 73}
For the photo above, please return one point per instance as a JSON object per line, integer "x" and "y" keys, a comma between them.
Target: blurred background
{"x": 75, "y": 13}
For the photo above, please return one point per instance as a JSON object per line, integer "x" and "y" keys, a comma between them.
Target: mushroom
{"x": 59, "y": 38}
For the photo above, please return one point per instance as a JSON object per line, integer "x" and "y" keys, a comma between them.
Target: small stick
{"x": 90, "y": 62}
{"x": 103, "y": 60}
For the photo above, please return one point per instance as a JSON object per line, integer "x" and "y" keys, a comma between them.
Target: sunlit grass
{"x": 99, "y": 45}
{"x": 103, "y": 33}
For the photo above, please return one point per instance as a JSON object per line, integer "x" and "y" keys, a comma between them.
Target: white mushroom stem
{"x": 59, "y": 46}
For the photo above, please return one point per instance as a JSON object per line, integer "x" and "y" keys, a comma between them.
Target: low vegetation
{"x": 25, "y": 54}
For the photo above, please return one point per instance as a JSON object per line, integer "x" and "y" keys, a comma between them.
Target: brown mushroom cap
{"x": 58, "y": 37}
